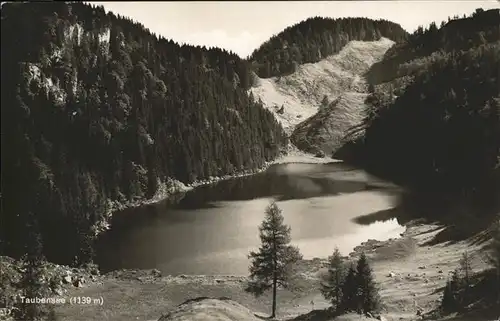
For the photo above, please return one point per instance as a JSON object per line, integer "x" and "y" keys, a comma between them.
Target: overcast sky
{"x": 242, "y": 26}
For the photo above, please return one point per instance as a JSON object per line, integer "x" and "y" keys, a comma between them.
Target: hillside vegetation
{"x": 454, "y": 35}
{"x": 433, "y": 118}
{"x": 317, "y": 38}
{"x": 96, "y": 107}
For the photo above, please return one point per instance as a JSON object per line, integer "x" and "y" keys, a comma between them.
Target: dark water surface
{"x": 211, "y": 229}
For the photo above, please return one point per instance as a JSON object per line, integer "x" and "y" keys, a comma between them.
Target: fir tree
{"x": 332, "y": 287}
{"x": 271, "y": 265}
{"x": 350, "y": 296}
{"x": 368, "y": 296}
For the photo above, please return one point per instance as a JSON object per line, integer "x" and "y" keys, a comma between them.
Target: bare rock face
{"x": 329, "y": 129}
{"x": 307, "y": 92}
{"x": 340, "y": 121}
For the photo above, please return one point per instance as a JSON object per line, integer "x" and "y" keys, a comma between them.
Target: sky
{"x": 242, "y": 26}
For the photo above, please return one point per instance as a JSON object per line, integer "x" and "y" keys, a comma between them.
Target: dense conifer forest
{"x": 433, "y": 121}
{"x": 316, "y": 38}
{"x": 96, "y": 107}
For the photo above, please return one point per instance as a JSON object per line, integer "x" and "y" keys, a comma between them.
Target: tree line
{"x": 455, "y": 34}
{"x": 316, "y": 38}
{"x": 95, "y": 108}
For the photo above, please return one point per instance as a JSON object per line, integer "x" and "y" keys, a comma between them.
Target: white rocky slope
{"x": 338, "y": 77}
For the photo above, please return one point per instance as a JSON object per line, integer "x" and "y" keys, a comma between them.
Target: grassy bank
{"x": 411, "y": 272}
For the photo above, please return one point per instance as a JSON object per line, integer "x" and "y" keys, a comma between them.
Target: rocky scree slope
{"x": 335, "y": 83}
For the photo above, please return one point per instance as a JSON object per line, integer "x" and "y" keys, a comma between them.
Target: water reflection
{"x": 289, "y": 181}
{"x": 211, "y": 229}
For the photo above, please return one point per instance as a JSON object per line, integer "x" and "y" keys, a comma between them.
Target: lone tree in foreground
{"x": 271, "y": 265}
{"x": 332, "y": 287}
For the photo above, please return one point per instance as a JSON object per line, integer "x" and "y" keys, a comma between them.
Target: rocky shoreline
{"x": 410, "y": 273}
{"x": 166, "y": 189}
{"x": 59, "y": 280}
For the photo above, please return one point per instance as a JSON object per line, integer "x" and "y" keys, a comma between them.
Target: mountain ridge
{"x": 315, "y": 38}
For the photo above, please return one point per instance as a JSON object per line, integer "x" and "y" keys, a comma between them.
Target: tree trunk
{"x": 275, "y": 275}
{"x": 274, "y": 295}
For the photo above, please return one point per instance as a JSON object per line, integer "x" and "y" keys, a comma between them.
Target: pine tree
{"x": 332, "y": 288}
{"x": 271, "y": 265}
{"x": 349, "y": 291}
{"x": 369, "y": 298}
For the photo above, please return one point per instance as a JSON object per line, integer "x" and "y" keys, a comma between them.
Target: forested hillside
{"x": 434, "y": 116}
{"x": 316, "y": 38}
{"x": 95, "y": 107}
{"x": 455, "y": 35}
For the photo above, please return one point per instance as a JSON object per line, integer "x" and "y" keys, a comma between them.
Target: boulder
{"x": 320, "y": 154}
{"x": 79, "y": 282}
{"x": 67, "y": 279}
{"x": 58, "y": 291}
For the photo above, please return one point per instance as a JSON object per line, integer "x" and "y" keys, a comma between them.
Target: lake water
{"x": 211, "y": 229}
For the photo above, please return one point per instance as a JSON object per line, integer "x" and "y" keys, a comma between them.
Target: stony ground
{"x": 301, "y": 93}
